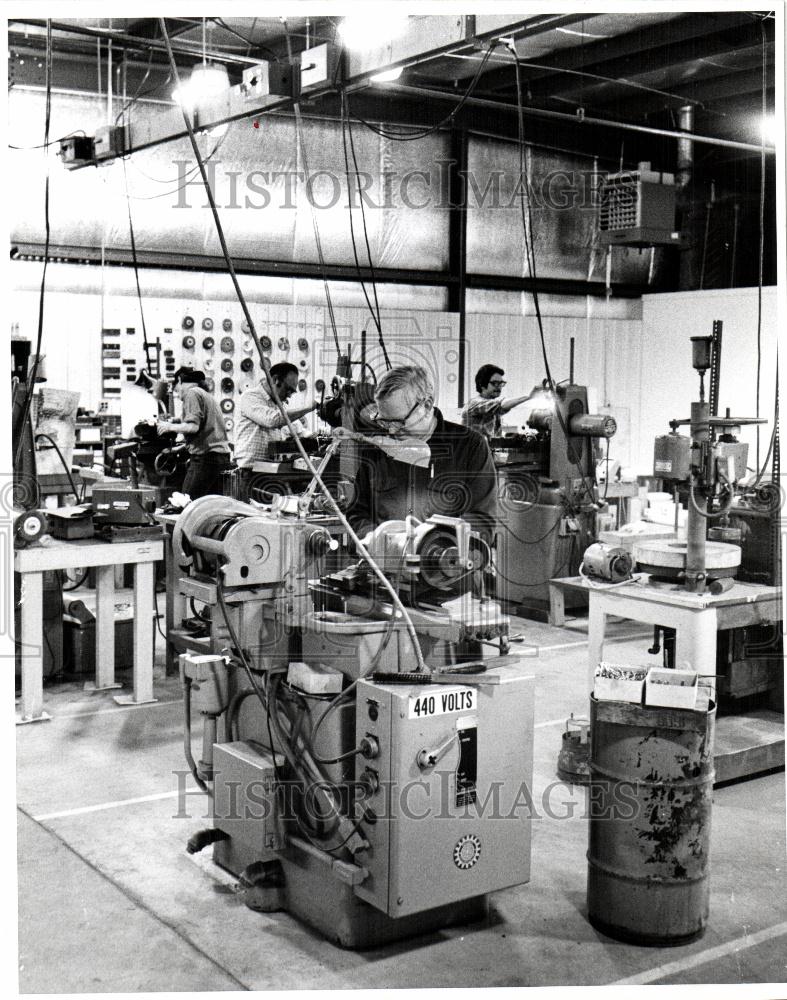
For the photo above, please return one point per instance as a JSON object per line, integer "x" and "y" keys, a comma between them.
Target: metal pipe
{"x": 132, "y": 42}
{"x": 685, "y": 146}
{"x": 480, "y": 102}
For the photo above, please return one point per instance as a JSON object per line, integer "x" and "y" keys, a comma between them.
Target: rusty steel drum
{"x": 649, "y": 799}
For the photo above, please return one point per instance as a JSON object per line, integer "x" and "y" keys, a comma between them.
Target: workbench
{"x": 745, "y": 744}
{"x": 31, "y": 563}
{"x": 696, "y": 618}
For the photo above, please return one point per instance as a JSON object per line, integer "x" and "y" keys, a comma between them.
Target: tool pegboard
{"x": 104, "y": 349}
{"x": 214, "y": 337}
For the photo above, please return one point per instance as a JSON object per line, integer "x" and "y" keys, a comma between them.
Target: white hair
{"x": 410, "y": 377}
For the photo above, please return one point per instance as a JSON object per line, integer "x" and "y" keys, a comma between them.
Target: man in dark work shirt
{"x": 202, "y": 426}
{"x": 459, "y": 480}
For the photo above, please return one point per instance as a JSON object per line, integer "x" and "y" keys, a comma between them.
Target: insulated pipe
{"x": 685, "y": 146}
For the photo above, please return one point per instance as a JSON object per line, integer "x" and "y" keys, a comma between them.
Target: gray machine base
{"x": 330, "y": 906}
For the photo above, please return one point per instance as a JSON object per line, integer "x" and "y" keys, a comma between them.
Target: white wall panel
{"x": 606, "y": 359}
{"x": 669, "y": 383}
{"x": 79, "y": 304}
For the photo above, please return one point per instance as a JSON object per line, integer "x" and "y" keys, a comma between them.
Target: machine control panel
{"x": 451, "y": 789}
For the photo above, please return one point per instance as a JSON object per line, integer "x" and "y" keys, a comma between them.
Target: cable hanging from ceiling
{"x": 361, "y": 548}
{"x": 421, "y": 133}
{"x": 42, "y": 294}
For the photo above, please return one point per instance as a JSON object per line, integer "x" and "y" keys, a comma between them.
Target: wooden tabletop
{"x": 671, "y": 593}
{"x": 60, "y": 554}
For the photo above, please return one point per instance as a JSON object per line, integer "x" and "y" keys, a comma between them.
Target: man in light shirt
{"x": 484, "y": 412}
{"x": 260, "y": 421}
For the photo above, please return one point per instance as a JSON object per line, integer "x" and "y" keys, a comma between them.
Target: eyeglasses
{"x": 390, "y": 422}
{"x": 497, "y": 382}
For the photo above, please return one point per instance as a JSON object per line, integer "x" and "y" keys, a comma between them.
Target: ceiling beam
{"x": 629, "y": 44}
{"x": 133, "y": 42}
{"x": 705, "y": 90}
{"x": 664, "y": 58}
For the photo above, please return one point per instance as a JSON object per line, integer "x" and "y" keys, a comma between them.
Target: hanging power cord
{"x": 296, "y": 107}
{"x": 709, "y": 516}
{"x": 42, "y": 293}
{"x": 272, "y": 388}
{"x": 525, "y": 206}
{"x": 201, "y": 783}
{"x": 301, "y": 762}
{"x": 774, "y": 432}
{"x": 66, "y": 469}
{"x": 374, "y": 311}
{"x": 51, "y": 142}
{"x": 762, "y": 233}
{"x": 416, "y": 132}
{"x": 187, "y": 177}
{"x": 145, "y": 341}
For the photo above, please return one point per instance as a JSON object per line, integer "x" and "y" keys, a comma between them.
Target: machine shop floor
{"x": 109, "y": 900}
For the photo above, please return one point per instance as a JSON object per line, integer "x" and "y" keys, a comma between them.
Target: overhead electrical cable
{"x": 417, "y": 132}
{"x": 416, "y": 649}
{"x": 42, "y": 294}
{"x": 374, "y": 310}
{"x": 525, "y": 207}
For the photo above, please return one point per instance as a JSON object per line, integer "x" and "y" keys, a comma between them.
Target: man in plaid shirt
{"x": 260, "y": 421}
{"x": 483, "y": 412}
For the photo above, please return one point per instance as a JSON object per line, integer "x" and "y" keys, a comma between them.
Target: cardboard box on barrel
{"x": 79, "y": 632}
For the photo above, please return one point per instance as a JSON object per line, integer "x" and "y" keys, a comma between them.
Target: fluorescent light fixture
{"x": 388, "y": 76}
{"x": 373, "y": 30}
{"x": 207, "y": 81}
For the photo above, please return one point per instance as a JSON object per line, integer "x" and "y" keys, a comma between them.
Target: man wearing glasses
{"x": 484, "y": 412}
{"x": 457, "y": 481}
{"x": 260, "y": 421}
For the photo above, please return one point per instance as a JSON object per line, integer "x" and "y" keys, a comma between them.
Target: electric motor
{"x": 607, "y": 562}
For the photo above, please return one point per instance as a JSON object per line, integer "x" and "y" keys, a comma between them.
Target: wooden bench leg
{"x": 557, "y": 605}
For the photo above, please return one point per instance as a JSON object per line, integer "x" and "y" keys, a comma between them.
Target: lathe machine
{"x": 548, "y": 496}
{"x": 367, "y": 772}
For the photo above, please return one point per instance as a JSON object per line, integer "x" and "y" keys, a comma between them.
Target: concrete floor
{"x": 109, "y": 900}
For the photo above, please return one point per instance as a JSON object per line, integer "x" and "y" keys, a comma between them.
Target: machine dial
{"x": 226, "y": 325}
{"x": 284, "y": 344}
{"x": 246, "y": 365}
{"x": 227, "y": 345}
{"x": 189, "y": 342}
{"x": 207, "y": 323}
{"x": 227, "y": 405}
{"x": 227, "y": 385}
{"x": 188, "y": 322}
{"x": 208, "y": 343}
{"x": 226, "y": 365}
